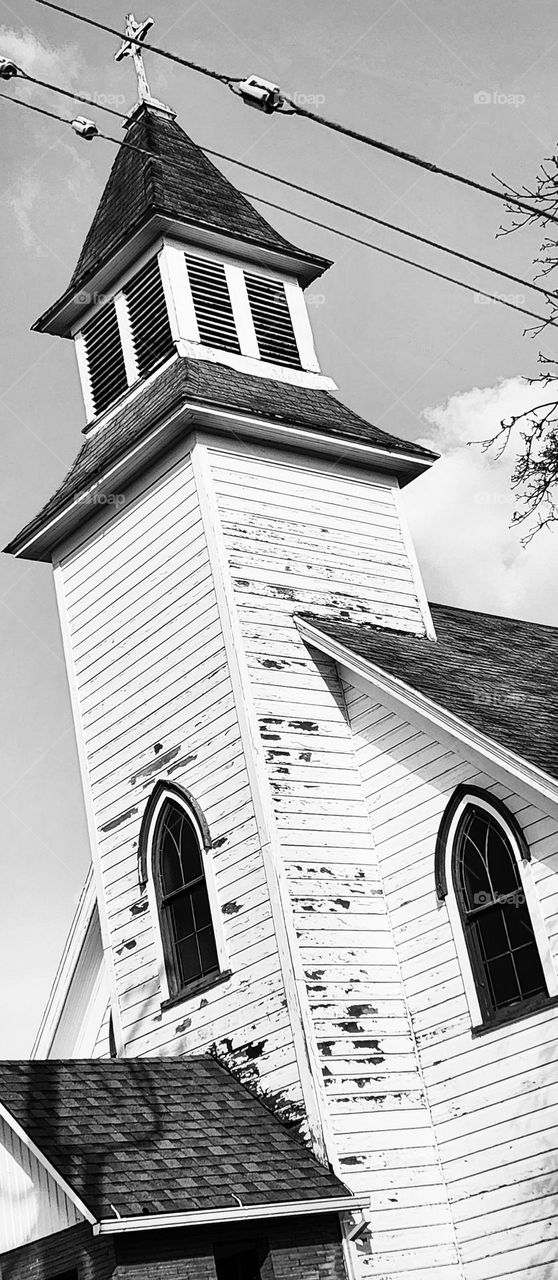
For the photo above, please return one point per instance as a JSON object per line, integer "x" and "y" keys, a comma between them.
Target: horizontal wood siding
{"x": 155, "y": 701}
{"x": 32, "y": 1204}
{"x": 303, "y": 537}
{"x": 494, "y": 1098}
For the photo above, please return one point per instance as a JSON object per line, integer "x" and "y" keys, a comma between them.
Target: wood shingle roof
{"x": 160, "y": 1135}
{"x": 499, "y": 675}
{"x": 207, "y": 383}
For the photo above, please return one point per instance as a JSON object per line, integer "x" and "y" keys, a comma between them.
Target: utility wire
{"x": 407, "y": 156}
{"x": 295, "y": 186}
{"x": 41, "y": 111}
{"x": 153, "y": 48}
{"x": 303, "y": 217}
{"x": 67, "y": 93}
{"x": 493, "y": 297}
{"x": 370, "y": 217}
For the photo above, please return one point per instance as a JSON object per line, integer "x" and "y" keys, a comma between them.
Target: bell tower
{"x": 222, "y": 493}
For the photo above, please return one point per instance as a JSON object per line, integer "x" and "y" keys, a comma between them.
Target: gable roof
{"x": 206, "y": 383}
{"x": 160, "y": 1135}
{"x": 176, "y": 181}
{"x": 499, "y": 675}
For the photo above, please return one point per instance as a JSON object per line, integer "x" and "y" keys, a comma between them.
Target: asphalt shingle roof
{"x": 208, "y": 383}
{"x": 176, "y": 180}
{"x": 160, "y": 1135}
{"x": 500, "y": 675}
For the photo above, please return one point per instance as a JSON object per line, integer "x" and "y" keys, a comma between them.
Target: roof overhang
{"x": 66, "y": 969}
{"x": 236, "y": 1213}
{"x": 504, "y": 765}
{"x": 186, "y": 417}
{"x": 39, "y": 1155}
{"x": 65, "y": 313}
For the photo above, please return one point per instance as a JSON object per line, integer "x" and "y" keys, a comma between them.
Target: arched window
{"x": 187, "y": 933}
{"x": 496, "y": 920}
{"x": 494, "y": 911}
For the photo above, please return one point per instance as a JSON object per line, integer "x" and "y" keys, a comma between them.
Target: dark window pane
{"x": 492, "y": 934}
{"x": 518, "y": 923}
{"x": 208, "y": 950}
{"x": 502, "y": 863}
{"x": 529, "y": 970}
{"x": 169, "y": 862}
{"x": 503, "y": 981}
{"x": 190, "y": 853}
{"x": 188, "y": 959}
{"x": 180, "y": 909}
{"x": 200, "y": 903}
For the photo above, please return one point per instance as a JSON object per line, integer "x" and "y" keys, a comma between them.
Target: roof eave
{"x": 235, "y": 1213}
{"x": 39, "y": 543}
{"x": 61, "y": 317}
{"x": 504, "y": 763}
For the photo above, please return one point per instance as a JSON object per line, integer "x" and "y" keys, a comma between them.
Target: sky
{"x": 472, "y": 87}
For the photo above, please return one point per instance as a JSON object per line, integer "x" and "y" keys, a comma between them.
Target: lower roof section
{"x": 135, "y": 1139}
{"x": 499, "y": 675}
{"x": 189, "y": 392}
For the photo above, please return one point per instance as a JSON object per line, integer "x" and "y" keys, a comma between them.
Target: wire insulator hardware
{"x": 85, "y": 128}
{"x": 258, "y": 93}
{"x": 8, "y": 69}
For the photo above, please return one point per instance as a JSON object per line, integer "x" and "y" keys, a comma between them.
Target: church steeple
{"x": 162, "y": 182}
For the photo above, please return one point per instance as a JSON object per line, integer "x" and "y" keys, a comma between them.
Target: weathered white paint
{"x": 493, "y": 1098}
{"x": 154, "y": 699}
{"x": 301, "y": 535}
{"x": 81, "y": 1018}
{"x": 32, "y": 1205}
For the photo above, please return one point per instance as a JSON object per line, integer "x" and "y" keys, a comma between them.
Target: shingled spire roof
{"x": 168, "y": 177}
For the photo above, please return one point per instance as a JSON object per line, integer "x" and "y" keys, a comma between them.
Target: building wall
{"x": 153, "y": 698}
{"x": 32, "y": 1204}
{"x": 493, "y": 1099}
{"x": 316, "y": 537}
{"x": 296, "y": 1249}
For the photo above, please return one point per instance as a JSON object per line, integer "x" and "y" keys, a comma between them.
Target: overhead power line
{"x": 388, "y": 253}
{"x": 304, "y": 218}
{"x": 153, "y": 48}
{"x": 84, "y": 98}
{"x": 232, "y": 81}
{"x": 381, "y": 222}
{"x": 42, "y": 111}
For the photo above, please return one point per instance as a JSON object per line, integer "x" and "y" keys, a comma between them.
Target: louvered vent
{"x": 212, "y": 303}
{"x": 272, "y": 321}
{"x": 105, "y": 361}
{"x": 149, "y": 320}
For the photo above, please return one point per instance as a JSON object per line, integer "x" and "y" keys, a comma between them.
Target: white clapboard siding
{"x": 155, "y": 700}
{"x": 32, "y": 1205}
{"x": 493, "y": 1099}
{"x": 305, "y": 536}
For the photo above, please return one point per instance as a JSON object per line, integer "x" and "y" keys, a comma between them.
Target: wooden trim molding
{"x": 184, "y": 797}
{"x": 461, "y": 793}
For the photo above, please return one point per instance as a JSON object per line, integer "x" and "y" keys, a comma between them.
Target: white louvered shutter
{"x": 149, "y": 320}
{"x": 272, "y": 320}
{"x": 212, "y": 303}
{"x": 105, "y": 361}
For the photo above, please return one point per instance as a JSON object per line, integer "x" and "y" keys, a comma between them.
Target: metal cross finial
{"x": 131, "y": 47}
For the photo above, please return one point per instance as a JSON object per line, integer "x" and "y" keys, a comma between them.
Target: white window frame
{"x": 525, "y": 871}
{"x": 214, "y": 908}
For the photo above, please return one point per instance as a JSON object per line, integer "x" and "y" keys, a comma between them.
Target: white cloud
{"x": 60, "y": 65}
{"x": 460, "y": 513}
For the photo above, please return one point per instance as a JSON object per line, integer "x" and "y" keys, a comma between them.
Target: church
{"x": 304, "y": 1024}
